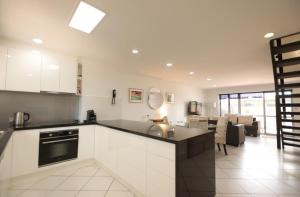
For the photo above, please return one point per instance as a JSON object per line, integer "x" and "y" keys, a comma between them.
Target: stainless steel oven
{"x": 58, "y": 146}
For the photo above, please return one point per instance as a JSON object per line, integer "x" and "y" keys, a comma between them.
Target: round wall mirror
{"x": 155, "y": 99}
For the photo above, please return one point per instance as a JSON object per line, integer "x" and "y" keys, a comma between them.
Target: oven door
{"x": 57, "y": 149}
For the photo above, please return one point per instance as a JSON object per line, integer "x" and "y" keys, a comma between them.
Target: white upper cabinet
{"x": 23, "y": 71}
{"x": 50, "y": 73}
{"x": 68, "y": 75}
{"x": 3, "y": 59}
{"x": 59, "y": 74}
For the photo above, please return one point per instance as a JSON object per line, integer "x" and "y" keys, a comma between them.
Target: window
{"x": 259, "y": 104}
{"x": 234, "y": 103}
{"x": 224, "y": 104}
{"x": 270, "y": 111}
{"x": 253, "y": 104}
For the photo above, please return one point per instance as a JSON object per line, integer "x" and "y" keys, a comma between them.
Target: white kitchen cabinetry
{"x": 106, "y": 147}
{"x": 147, "y": 165}
{"x": 160, "y": 168}
{"x": 50, "y": 74}
{"x": 6, "y": 161}
{"x": 86, "y": 142}
{"x": 5, "y": 169}
{"x": 23, "y": 71}
{"x": 68, "y": 75}
{"x": 131, "y": 160}
{"x": 3, "y": 61}
{"x": 25, "y": 152}
{"x": 59, "y": 74}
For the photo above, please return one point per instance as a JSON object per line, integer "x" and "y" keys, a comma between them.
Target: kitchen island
{"x": 153, "y": 160}
{"x": 179, "y": 161}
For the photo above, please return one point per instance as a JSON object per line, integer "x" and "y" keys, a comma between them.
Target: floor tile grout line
{"x": 109, "y": 187}
{"x": 90, "y": 178}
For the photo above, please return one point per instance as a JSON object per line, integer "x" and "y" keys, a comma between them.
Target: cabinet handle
{"x": 50, "y": 142}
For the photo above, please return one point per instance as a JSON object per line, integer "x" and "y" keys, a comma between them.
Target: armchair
{"x": 252, "y": 127}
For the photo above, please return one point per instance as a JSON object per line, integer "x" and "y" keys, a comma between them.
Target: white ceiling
{"x": 222, "y": 40}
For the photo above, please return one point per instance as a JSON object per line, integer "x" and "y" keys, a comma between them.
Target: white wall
{"x": 99, "y": 80}
{"x": 211, "y": 96}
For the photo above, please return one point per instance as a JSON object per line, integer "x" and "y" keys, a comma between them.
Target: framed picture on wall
{"x": 136, "y": 95}
{"x": 170, "y": 97}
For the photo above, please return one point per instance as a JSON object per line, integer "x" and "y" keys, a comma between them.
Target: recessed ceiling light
{"x": 208, "y": 79}
{"x": 192, "y": 73}
{"x": 269, "y": 35}
{"x": 37, "y": 41}
{"x": 169, "y": 64}
{"x": 86, "y": 17}
{"x": 135, "y": 51}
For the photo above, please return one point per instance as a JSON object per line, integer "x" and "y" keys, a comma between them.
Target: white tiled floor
{"x": 81, "y": 180}
{"x": 255, "y": 169}
{"x": 258, "y": 169}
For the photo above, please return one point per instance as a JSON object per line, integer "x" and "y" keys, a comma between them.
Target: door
{"x": 23, "y": 71}
{"x": 50, "y": 74}
{"x": 68, "y": 75}
{"x": 270, "y": 112}
{"x": 253, "y": 104}
{"x": 3, "y": 61}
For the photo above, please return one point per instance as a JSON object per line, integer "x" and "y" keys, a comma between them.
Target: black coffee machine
{"x": 91, "y": 116}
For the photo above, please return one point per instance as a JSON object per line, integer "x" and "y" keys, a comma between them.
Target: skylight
{"x": 86, "y": 17}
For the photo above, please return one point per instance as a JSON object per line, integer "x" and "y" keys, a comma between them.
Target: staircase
{"x": 285, "y": 52}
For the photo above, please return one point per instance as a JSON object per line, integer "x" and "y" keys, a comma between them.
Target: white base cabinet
{"x": 86, "y": 142}
{"x": 5, "y": 169}
{"x": 25, "y": 152}
{"x": 106, "y": 147}
{"x": 6, "y": 162}
{"x": 147, "y": 165}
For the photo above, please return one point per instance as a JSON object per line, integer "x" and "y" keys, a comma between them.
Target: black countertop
{"x": 5, "y": 134}
{"x": 44, "y": 125}
{"x": 161, "y": 132}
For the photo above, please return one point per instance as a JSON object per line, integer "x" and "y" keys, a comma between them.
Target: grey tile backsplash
{"x": 43, "y": 107}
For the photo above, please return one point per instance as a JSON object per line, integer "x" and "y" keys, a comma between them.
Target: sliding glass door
{"x": 253, "y": 104}
{"x": 234, "y": 103}
{"x": 270, "y": 111}
{"x": 224, "y": 104}
{"x": 259, "y": 104}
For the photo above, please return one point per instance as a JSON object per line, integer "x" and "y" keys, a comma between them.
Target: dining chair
{"x": 220, "y": 135}
{"x": 198, "y": 122}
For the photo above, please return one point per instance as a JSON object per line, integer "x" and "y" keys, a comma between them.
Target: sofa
{"x": 252, "y": 127}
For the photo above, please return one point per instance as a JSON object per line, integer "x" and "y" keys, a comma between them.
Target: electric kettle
{"x": 19, "y": 118}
